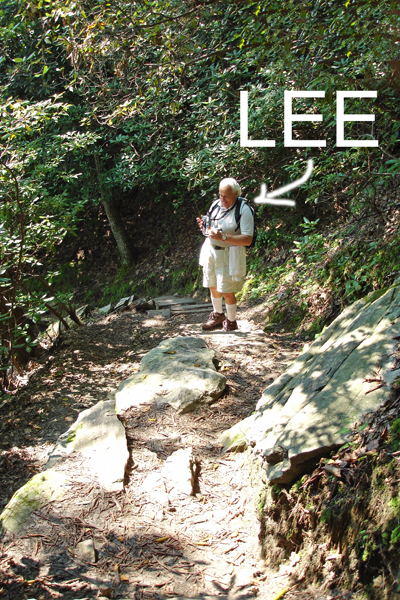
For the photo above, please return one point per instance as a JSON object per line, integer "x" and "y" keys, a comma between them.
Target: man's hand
{"x": 200, "y": 223}
{"x": 216, "y": 234}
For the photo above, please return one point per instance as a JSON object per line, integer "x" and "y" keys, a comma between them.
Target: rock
{"x": 179, "y": 371}
{"x": 127, "y": 302}
{"x": 308, "y": 411}
{"x": 86, "y": 551}
{"x": 84, "y": 311}
{"x": 179, "y": 473}
{"x": 100, "y": 436}
{"x": 40, "y": 489}
{"x": 164, "y": 444}
{"x": 132, "y": 299}
{"x": 235, "y": 437}
{"x": 143, "y": 304}
{"x": 177, "y": 476}
{"x": 121, "y": 304}
{"x": 56, "y": 328}
{"x": 105, "y": 310}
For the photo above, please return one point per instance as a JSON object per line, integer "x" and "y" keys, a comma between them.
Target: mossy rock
{"x": 40, "y": 489}
{"x": 234, "y": 439}
{"x": 375, "y": 295}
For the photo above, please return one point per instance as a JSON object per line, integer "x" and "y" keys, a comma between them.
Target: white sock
{"x": 231, "y": 310}
{"x": 217, "y": 304}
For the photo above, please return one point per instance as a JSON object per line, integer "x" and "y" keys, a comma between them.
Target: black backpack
{"x": 238, "y": 214}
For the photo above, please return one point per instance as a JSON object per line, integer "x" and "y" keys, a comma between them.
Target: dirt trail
{"x": 194, "y": 546}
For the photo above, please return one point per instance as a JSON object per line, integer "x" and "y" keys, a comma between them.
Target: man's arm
{"x": 232, "y": 240}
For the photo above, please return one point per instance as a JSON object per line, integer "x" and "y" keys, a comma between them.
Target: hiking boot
{"x": 228, "y": 325}
{"x": 215, "y": 321}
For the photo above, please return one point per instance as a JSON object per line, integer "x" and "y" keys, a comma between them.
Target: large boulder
{"x": 309, "y": 410}
{"x": 179, "y": 371}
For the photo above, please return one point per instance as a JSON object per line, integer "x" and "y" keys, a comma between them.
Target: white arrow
{"x": 265, "y": 198}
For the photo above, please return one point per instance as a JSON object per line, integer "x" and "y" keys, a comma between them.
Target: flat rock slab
{"x": 179, "y": 371}
{"x": 309, "y": 410}
{"x": 98, "y": 435}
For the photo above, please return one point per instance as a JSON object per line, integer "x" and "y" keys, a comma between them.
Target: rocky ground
{"x": 196, "y": 546}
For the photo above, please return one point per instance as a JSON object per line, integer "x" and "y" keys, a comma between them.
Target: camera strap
{"x": 217, "y": 206}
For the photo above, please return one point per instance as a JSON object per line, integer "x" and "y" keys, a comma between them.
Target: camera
{"x": 206, "y": 219}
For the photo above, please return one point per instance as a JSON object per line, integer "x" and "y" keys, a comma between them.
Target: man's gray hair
{"x": 233, "y": 184}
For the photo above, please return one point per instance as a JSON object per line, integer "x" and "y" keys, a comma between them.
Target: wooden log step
{"x": 194, "y": 307}
{"x": 164, "y": 312}
{"x": 169, "y": 302}
{"x": 190, "y": 311}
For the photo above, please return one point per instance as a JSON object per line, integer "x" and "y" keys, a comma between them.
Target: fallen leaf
{"x": 281, "y": 594}
{"x": 106, "y": 592}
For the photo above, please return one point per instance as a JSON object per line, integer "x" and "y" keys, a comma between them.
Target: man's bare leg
{"x": 231, "y": 306}
{"x": 216, "y": 299}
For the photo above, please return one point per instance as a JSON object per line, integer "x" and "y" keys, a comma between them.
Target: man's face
{"x": 227, "y": 196}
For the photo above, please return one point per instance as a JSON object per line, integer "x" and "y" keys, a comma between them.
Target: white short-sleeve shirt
{"x": 225, "y": 219}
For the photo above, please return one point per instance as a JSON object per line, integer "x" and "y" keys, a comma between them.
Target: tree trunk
{"x": 124, "y": 243}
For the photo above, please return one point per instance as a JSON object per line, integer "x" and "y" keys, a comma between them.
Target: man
{"x": 223, "y": 254}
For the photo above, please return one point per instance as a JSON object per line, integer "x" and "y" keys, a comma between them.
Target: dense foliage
{"x": 107, "y": 100}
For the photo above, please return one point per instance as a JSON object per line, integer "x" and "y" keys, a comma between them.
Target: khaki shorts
{"x": 216, "y": 272}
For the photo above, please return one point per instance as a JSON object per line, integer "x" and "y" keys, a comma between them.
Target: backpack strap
{"x": 238, "y": 210}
